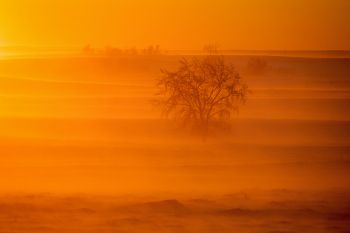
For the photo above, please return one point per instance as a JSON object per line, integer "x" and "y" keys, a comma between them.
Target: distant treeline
{"x": 115, "y": 51}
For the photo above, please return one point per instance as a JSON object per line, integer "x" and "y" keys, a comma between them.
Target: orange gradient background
{"x": 83, "y": 149}
{"x": 232, "y": 24}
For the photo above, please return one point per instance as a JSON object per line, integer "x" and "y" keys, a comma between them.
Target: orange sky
{"x": 180, "y": 24}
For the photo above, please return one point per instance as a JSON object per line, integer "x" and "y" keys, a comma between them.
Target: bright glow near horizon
{"x": 249, "y": 24}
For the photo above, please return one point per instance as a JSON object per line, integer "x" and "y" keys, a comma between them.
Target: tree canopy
{"x": 203, "y": 92}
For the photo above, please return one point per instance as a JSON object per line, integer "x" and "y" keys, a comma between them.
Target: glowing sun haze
{"x": 181, "y": 24}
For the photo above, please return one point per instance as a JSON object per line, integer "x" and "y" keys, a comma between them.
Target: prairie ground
{"x": 84, "y": 150}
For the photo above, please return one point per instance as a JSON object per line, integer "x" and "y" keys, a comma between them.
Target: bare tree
{"x": 203, "y": 92}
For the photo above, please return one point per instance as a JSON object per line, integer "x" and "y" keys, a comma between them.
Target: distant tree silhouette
{"x": 257, "y": 66}
{"x": 152, "y": 50}
{"x": 88, "y": 50}
{"x": 203, "y": 92}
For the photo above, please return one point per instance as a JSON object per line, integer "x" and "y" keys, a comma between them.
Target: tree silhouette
{"x": 203, "y": 92}
{"x": 257, "y": 66}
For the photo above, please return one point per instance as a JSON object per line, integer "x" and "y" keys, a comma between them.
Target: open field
{"x": 84, "y": 150}
{"x": 262, "y": 211}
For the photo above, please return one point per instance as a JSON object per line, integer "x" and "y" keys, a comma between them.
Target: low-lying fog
{"x": 84, "y": 150}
